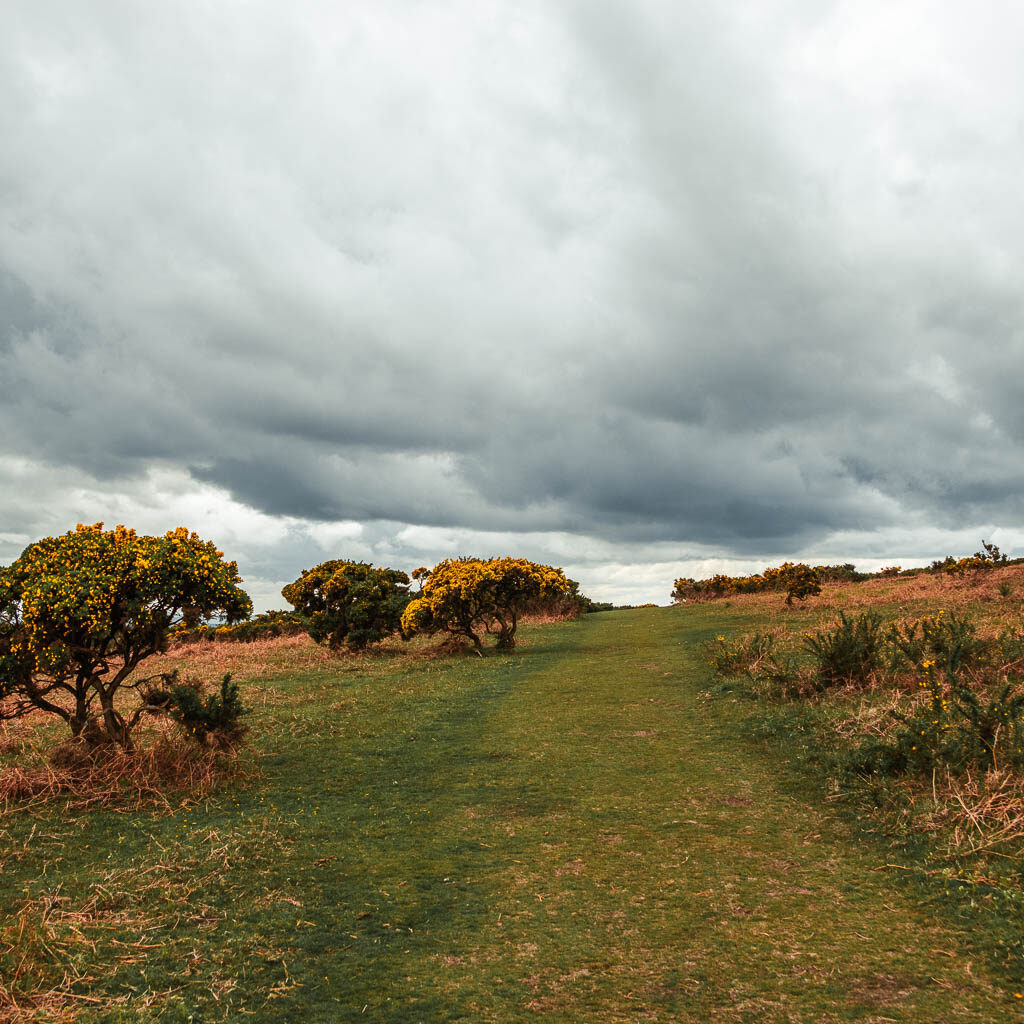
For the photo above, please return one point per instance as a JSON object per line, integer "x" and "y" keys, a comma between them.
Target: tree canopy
{"x": 80, "y": 612}
{"x": 349, "y": 603}
{"x": 470, "y": 596}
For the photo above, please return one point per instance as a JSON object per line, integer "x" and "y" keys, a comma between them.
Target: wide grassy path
{"x": 567, "y": 833}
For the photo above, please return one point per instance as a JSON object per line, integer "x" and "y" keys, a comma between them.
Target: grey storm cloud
{"x": 654, "y": 273}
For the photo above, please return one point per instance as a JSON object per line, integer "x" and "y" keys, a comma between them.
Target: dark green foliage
{"x": 349, "y": 603}
{"x": 213, "y": 720}
{"x": 1010, "y": 649}
{"x": 991, "y": 724}
{"x": 991, "y": 553}
{"x": 960, "y": 727}
{"x": 875, "y": 758}
{"x": 941, "y": 640}
{"x": 849, "y": 652}
{"x": 845, "y": 573}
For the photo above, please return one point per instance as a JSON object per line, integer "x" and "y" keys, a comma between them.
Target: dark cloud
{"x": 654, "y": 275}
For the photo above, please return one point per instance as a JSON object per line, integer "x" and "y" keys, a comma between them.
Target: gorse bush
{"x": 993, "y": 724}
{"x": 848, "y": 652}
{"x": 944, "y": 640}
{"x": 981, "y": 561}
{"x": 264, "y": 626}
{"x": 967, "y": 708}
{"x": 472, "y": 596}
{"x": 959, "y": 726}
{"x": 210, "y": 720}
{"x": 80, "y": 612}
{"x": 797, "y": 580}
{"x": 349, "y": 603}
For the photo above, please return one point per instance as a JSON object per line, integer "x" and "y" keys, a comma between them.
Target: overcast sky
{"x": 637, "y": 288}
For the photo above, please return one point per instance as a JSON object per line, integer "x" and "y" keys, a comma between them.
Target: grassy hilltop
{"x": 592, "y": 827}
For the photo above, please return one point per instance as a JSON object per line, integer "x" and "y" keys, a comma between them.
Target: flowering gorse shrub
{"x": 957, "y": 698}
{"x": 470, "y": 596}
{"x": 944, "y": 640}
{"x": 981, "y": 561}
{"x": 349, "y": 603}
{"x": 80, "y": 612}
{"x": 963, "y": 723}
{"x": 796, "y": 579}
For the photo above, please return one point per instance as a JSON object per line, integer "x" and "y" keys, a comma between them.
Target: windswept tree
{"x": 472, "y": 596}
{"x": 349, "y": 603}
{"x": 80, "y": 612}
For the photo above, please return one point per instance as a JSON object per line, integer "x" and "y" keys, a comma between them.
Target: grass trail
{"x": 570, "y": 832}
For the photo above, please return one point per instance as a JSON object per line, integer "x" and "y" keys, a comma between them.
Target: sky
{"x": 641, "y": 289}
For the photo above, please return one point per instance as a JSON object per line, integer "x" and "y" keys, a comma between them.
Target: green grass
{"x": 574, "y": 831}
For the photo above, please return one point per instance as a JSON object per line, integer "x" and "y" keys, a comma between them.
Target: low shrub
{"x": 264, "y": 626}
{"x": 734, "y": 657}
{"x": 945, "y": 640}
{"x": 213, "y": 719}
{"x": 759, "y": 659}
{"x": 958, "y": 727}
{"x": 349, "y": 604}
{"x": 848, "y": 652}
{"x": 798, "y": 580}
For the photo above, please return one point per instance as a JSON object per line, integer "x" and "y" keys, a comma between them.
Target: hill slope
{"x": 572, "y": 830}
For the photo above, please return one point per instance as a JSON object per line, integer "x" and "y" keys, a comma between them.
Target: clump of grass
{"x": 732, "y": 656}
{"x": 764, "y": 659}
{"x": 88, "y": 777}
{"x": 979, "y": 813}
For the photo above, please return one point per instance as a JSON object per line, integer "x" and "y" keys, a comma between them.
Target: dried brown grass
{"x": 165, "y": 766}
{"x": 246, "y": 661}
{"x": 43, "y": 932}
{"x": 256, "y": 660}
{"x": 925, "y": 591}
{"x": 979, "y": 813}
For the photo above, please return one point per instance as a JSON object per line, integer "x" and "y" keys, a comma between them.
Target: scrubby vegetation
{"x": 907, "y": 693}
{"x": 796, "y": 580}
{"x": 799, "y": 580}
{"x": 264, "y": 626}
{"x": 468, "y": 597}
{"x": 412, "y": 835}
{"x": 79, "y": 614}
{"x": 349, "y": 603}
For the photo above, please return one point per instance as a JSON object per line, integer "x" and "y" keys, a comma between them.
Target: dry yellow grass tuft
{"x": 164, "y": 766}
